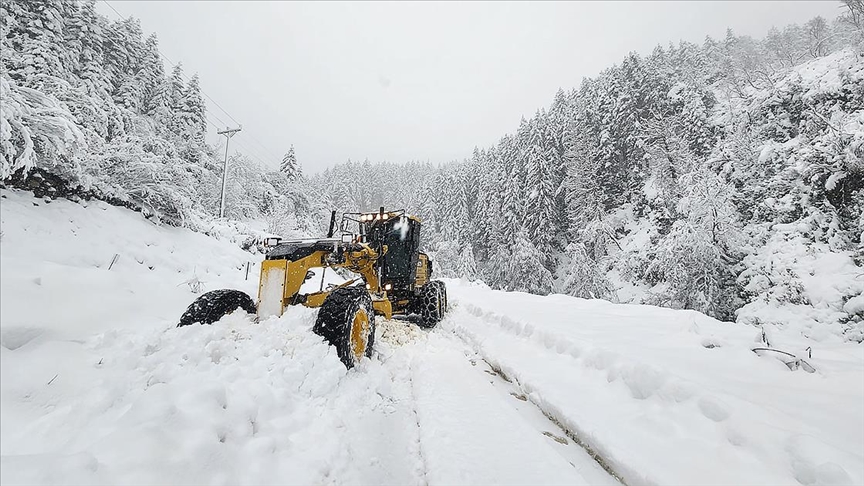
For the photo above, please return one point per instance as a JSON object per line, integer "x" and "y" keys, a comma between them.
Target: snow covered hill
{"x": 97, "y": 386}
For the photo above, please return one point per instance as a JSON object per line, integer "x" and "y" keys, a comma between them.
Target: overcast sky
{"x": 414, "y": 81}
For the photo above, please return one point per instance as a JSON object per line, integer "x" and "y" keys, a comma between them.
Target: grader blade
{"x": 272, "y": 288}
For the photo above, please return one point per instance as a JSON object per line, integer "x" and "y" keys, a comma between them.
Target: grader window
{"x": 400, "y": 262}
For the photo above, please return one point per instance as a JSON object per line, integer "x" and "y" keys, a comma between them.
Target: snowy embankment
{"x": 97, "y": 386}
{"x": 675, "y": 397}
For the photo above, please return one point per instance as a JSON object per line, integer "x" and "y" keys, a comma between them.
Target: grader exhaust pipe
{"x": 332, "y": 224}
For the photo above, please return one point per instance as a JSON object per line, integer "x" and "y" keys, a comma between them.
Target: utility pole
{"x": 228, "y": 132}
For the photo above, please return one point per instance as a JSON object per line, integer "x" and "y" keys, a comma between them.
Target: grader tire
{"x": 443, "y": 288}
{"x": 346, "y": 320}
{"x": 215, "y": 305}
{"x": 431, "y": 303}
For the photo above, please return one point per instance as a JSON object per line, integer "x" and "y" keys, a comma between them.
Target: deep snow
{"x": 676, "y": 397}
{"x": 101, "y": 388}
{"x": 97, "y": 386}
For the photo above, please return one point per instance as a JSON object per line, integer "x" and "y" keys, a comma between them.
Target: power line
{"x": 173, "y": 64}
{"x": 112, "y": 8}
{"x": 240, "y": 143}
{"x": 210, "y": 112}
{"x": 265, "y": 148}
{"x": 228, "y": 132}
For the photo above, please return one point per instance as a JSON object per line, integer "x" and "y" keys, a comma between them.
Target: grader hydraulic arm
{"x": 282, "y": 275}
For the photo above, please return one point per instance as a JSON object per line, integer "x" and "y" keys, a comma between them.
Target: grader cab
{"x": 392, "y": 276}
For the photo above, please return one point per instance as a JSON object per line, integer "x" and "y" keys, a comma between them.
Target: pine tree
{"x": 466, "y": 266}
{"x": 90, "y": 30}
{"x": 289, "y": 166}
{"x": 123, "y": 54}
{"x": 193, "y": 112}
{"x": 513, "y": 203}
{"x": 152, "y": 79}
{"x": 35, "y": 35}
{"x": 585, "y": 200}
{"x": 496, "y": 272}
{"x": 176, "y": 91}
{"x": 176, "y": 88}
{"x": 527, "y": 272}
{"x": 541, "y": 214}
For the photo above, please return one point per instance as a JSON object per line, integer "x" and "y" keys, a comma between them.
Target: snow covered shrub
{"x": 696, "y": 259}
{"x": 526, "y": 272}
{"x": 34, "y": 128}
{"x": 284, "y": 219}
{"x": 454, "y": 260}
{"x": 792, "y": 281}
{"x": 696, "y": 271}
{"x": 583, "y": 277}
{"x": 466, "y": 266}
{"x": 446, "y": 258}
{"x": 495, "y": 271}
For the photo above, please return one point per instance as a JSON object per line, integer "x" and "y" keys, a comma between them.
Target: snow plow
{"x": 392, "y": 277}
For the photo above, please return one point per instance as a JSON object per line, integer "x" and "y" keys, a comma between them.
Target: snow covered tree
{"x": 526, "y": 272}
{"x": 289, "y": 166}
{"x": 34, "y": 128}
{"x": 696, "y": 259}
{"x": 585, "y": 202}
{"x": 191, "y": 116}
{"x": 466, "y": 266}
{"x": 155, "y": 99}
{"x": 35, "y": 36}
{"x": 496, "y": 272}
{"x": 583, "y": 277}
{"x": 541, "y": 216}
{"x": 513, "y": 204}
{"x": 89, "y": 28}
{"x": 176, "y": 91}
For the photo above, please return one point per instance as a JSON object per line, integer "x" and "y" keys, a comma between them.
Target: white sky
{"x": 412, "y": 80}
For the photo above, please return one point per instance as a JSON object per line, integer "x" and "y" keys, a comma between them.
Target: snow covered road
{"x": 675, "y": 397}
{"x": 269, "y": 403}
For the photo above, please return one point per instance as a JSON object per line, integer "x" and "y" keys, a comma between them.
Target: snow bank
{"x": 56, "y": 257}
{"x": 825, "y": 75}
{"x": 675, "y": 397}
{"x": 802, "y": 286}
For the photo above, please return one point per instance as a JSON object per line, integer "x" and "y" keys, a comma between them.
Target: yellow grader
{"x": 393, "y": 277}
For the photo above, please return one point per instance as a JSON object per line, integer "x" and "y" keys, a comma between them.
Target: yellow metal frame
{"x": 360, "y": 261}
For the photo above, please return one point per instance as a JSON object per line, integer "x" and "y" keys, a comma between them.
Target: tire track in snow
{"x": 421, "y": 456}
{"x": 463, "y": 336}
{"x": 391, "y": 338}
{"x": 473, "y": 430}
{"x": 570, "y": 434}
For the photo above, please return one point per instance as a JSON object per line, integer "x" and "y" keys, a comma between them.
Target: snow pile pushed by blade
{"x": 232, "y": 403}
